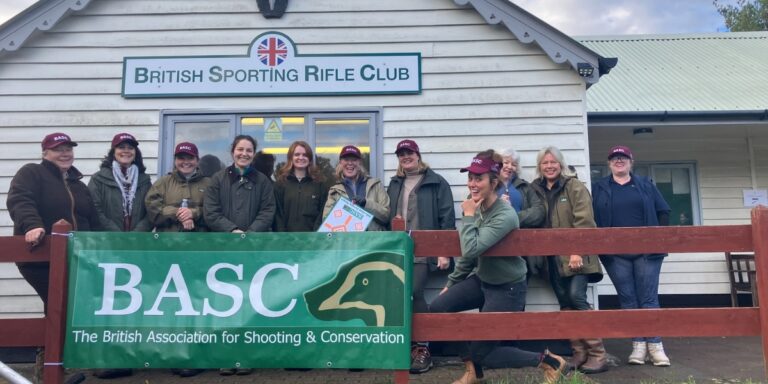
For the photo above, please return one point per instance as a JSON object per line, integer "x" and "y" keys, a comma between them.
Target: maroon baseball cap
{"x": 124, "y": 137}
{"x": 55, "y": 139}
{"x": 351, "y": 150}
{"x": 620, "y": 150}
{"x": 186, "y": 148}
{"x": 482, "y": 165}
{"x": 409, "y": 145}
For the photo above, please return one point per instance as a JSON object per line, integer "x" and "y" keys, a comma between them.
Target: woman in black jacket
{"x": 424, "y": 200}
{"x": 300, "y": 191}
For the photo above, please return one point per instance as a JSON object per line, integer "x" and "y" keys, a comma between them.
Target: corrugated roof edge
{"x": 681, "y": 36}
{"x": 40, "y": 16}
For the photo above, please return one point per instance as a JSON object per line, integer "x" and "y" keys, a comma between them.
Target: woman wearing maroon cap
{"x": 175, "y": 202}
{"x": 492, "y": 284}
{"x": 42, "y": 194}
{"x": 120, "y": 185}
{"x": 118, "y": 190}
{"x": 353, "y": 182}
{"x": 424, "y": 200}
{"x": 624, "y": 199}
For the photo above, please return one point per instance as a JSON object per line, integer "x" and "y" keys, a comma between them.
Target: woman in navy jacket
{"x": 624, "y": 199}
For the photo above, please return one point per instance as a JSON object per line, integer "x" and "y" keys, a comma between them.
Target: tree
{"x": 746, "y": 15}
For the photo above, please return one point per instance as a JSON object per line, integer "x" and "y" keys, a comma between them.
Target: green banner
{"x": 223, "y": 300}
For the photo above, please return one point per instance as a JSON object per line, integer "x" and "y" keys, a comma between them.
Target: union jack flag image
{"x": 272, "y": 51}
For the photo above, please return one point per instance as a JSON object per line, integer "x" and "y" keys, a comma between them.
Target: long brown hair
{"x": 313, "y": 171}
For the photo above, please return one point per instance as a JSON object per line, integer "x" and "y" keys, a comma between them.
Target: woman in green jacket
{"x": 569, "y": 205}
{"x": 240, "y": 198}
{"x": 118, "y": 190}
{"x": 119, "y": 187}
{"x": 493, "y": 284}
{"x": 300, "y": 191}
{"x": 353, "y": 182}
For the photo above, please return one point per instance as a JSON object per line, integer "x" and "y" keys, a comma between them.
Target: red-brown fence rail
{"x": 490, "y": 326}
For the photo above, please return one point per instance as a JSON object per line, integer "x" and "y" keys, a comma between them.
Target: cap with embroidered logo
{"x": 124, "y": 138}
{"x": 482, "y": 165}
{"x": 619, "y": 150}
{"x": 409, "y": 145}
{"x": 186, "y": 148}
{"x": 55, "y": 139}
{"x": 350, "y": 150}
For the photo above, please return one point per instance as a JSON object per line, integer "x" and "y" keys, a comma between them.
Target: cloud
{"x": 620, "y": 17}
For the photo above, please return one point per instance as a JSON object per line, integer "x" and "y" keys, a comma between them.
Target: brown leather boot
{"x": 553, "y": 367}
{"x": 473, "y": 374}
{"x": 596, "y": 357}
{"x": 579, "y": 353}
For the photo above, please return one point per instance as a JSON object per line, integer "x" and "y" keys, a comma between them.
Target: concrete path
{"x": 694, "y": 360}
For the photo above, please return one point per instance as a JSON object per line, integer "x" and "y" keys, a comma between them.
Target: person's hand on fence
{"x": 34, "y": 236}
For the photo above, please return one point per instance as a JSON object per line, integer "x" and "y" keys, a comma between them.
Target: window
{"x": 675, "y": 181}
{"x": 327, "y": 133}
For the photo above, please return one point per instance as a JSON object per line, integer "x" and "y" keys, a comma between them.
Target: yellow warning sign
{"x": 273, "y": 130}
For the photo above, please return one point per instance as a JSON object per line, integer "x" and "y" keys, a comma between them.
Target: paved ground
{"x": 694, "y": 360}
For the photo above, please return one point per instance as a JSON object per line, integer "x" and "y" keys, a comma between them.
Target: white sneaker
{"x": 658, "y": 357}
{"x": 639, "y": 353}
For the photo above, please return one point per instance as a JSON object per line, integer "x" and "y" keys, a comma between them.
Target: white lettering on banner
{"x": 272, "y": 66}
{"x": 182, "y": 294}
{"x": 108, "y": 294}
{"x": 225, "y": 289}
{"x": 258, "y": 283}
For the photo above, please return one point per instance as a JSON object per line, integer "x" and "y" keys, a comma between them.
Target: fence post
{"x": 760, "y": 242}
{"x": 55, "y": 319}
{"x": 401, "y": 376}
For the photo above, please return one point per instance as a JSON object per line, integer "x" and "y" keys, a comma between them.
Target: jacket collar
{"x": 72, "y": 173}
{"x": 234, "y": 174}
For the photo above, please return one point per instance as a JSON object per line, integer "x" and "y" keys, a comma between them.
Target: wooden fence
{"x": 694, "y": 322}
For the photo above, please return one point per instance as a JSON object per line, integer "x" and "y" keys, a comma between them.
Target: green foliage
{"x": 746, "y": 15}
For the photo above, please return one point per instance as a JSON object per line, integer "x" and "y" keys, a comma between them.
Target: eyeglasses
{"x": 619, "y": 158}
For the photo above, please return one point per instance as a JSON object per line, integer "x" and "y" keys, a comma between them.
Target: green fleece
{"x": 480, "y": 232}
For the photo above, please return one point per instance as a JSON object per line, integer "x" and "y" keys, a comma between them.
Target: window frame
{"x": 169, "y": 118}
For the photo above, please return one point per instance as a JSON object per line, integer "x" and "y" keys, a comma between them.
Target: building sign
{"x": 272, "y": 67}
{"x": 221, "y": 300}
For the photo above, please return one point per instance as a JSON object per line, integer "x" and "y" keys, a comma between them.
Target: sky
{"x": 583, "y": 17}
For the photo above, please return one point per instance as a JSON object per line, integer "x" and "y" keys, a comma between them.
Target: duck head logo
{"x": 369, "y": 288}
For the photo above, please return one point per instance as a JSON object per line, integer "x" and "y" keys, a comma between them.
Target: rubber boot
{"x": 639, "y": 353}
{"x": 596, "y": 357}
{"x": 658, "y": 357}
{"x": 579, "y": 353}
{"x": 473, "y": 373}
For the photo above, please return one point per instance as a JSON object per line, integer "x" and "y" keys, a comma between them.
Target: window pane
{"x": 274, "y": 134}
{"x": 212, "y": 139}
{"x": 333, "y": 134}
{"x": 675, "y": 185}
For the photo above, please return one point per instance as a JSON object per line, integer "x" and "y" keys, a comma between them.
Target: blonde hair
{"x": 339, "y": 172}
{"x": 422, "y": 167}
{"x": 552, "y": 150}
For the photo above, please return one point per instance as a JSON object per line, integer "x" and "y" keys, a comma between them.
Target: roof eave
{"x": 528, "y": 29}
{"x": 40, "y": 16}
{"x": 675, "y": 116}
